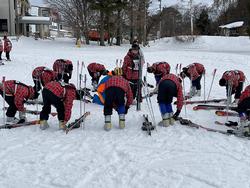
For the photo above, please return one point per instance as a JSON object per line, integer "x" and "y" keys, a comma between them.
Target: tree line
{"x": 130, "y": 19}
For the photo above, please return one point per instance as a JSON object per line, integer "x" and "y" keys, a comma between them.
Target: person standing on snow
{"x": 159, "y": 69}
{"x": 16, "y": 93}
{"x": 130, "y": 68}
{"x": 41, "y": 76}
{"x": 233, "y": 80}
{"x": 117, "y": 91}
{"x": 96, "y": 70}
{"x": 244, "y": 112}
{"x": 61, "y": 95}
{"x": 64, "y": 69}
{"x": 169, "y": 87}
{"x": 1, "y": 49}
{"x": 194, "y": 72}
{"x": 7, "y": 47}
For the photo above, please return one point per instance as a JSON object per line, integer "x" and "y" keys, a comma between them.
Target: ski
{"x": 15, "y": 125}
{"x": 225, "y": 113}
{"x": 147, "y": 125}
{"x": 35, "y": 112}
{"x": 230, "y": 124}
{"x": 213, "y": 107}
{"x": 76, "y": 123}
{"x": 204, "y": 101}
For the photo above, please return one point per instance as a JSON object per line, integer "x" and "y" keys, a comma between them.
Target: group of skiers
{"x": 5, "y": 46}
{"x": 117, "y": 90}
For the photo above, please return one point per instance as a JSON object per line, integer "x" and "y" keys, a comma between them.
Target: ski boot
{"x": 107, "y": 125}
{"x": 171, "y": 119}
{"x": 62, "y": 125}
{"x": 198, "y": 93}
{"x": 22, "y": 117}
{"x": 11, "y": 120}
{"x": 44, "y": 124}
{"x": 121, "y": 121}
{"x": 165, "y": 120}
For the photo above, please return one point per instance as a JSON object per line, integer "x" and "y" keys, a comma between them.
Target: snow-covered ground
{"x": 174, "y": 157}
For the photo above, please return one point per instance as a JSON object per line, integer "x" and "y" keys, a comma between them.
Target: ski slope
{"x": 174, "y": 157}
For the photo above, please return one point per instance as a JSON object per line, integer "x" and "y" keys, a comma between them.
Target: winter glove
{"x": 176, "y": 114}
{"x": 231, "y": 123}
{"x": 126, "y": 109}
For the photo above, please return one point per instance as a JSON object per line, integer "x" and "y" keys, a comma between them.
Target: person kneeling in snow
{"x": 159, "y": 69}
{"x": 7, "y": 47}
{"x": 64, "y": 69}
{"x": 116, "y": 90}
{"x": 233, "y": 80}
{"x": 169, "y": 87}
{"x": 194, "y": 72}
{"x": 15, "y": 93}
{"x": 41, "y": 76}
{"x": 61, "y": 95}
{"x": 244, "y": 112}
{"x": 96, "y": 70}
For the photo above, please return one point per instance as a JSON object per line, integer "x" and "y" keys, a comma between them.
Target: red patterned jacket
{"x": 179, "y": 96}
{"x": 130, "y": 67}
{"x": 7, "y": 45}
{"x": 65, "y": 92}
{"x": 195, "y": 70}
{"x": 234, "y": 77}
{"x": 20, "y": 91}
{"x": 62, "y": 65}
{"x": 95, "y": 67}
{"x": 1, "y": 46}
{"x": 119, "y": 81}
{"x": 245, "y": 94}
{"x": 161, "y": 68}
{"x": 43, "y": 74}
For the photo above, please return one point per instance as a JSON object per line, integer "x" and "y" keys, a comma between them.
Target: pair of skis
{"x": 213, "y": 107}
{"x": 204, "y": 101}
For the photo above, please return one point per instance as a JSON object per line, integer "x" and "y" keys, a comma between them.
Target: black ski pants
{"x": 166, "y": 91}
{"x": 49, "y": 99}
{"x": 12, "y": 109}
{"x": 1, "y": 55}
{"x": 237, "y": 91}
{"x": 114, "y": 97}
{"x": 197, "y": 83}
{"x": 244, "y": 106}
{"x": 134, "y": 87}
{"x": 7, "y": 55}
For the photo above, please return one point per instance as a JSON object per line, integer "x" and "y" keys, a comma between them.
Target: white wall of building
{"x": 7, "y": 11}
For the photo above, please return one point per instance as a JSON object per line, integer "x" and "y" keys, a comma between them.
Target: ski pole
{"x": 204, "y": 87}
{"x": 229, "y": 93}
{"x": 176, "y": 69}
{"x": 211, "y": 84}
{"x": 3, "y": 82}
{"x": 77, "y": 79}
{"x": 184, "y": 93}
{"x": 84, "y": 99}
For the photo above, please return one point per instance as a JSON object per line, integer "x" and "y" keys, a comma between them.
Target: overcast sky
{"x": 155, "y": 3}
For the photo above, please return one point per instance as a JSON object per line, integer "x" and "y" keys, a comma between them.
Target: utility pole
{"x": 160, "y": 20}
{"x": 191, "y": 17}
{"x": 145, "y": 24}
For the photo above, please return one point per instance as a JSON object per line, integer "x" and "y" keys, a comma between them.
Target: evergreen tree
{"x": 203, "y": 22}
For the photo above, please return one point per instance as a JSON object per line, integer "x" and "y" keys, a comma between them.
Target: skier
{"x": 233, "y": 80}
{"x": 194, "y": 72}
{"x": 64, "y": 69}
{"x": 7, "y": 47}
{"x": 117, "y": 90}
{"x": 15, "y": 93}
{"x": 159, "y": 69}
{"x": 41, "y": 76}
{"x": 244, "y": 112}
{"x": 169, "y": 87}
{"x": 130, "y": 68}
{"x": 1, "y": 50}
{"x": 96, "y": 70}
{"x": 61, "y": 95}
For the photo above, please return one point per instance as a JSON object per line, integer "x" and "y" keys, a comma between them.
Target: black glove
{"x": 126, "y": 109}
{"x": 176, "y": 114}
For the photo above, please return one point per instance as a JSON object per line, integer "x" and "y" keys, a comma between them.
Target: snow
{"x": 36, "y": 18}
{"x": 233, "y": 25}
{"x": 174, "y": 157}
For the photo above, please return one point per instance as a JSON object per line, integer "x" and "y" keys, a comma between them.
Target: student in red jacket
{"x": 16, "y": 93}
{"x": 41, "y": 76}
{"x": 61, "y": 95}
{"x": 117, "y": 91}
{"x": 63, "y": 68}
{"x": 169, "y": 87}
{"x": 7, "y": 47}
{"x": 1, "y": 49}
{"x": 233, "y": 80}
{"x": 130, "y": 68}
{"x": 96, "y": 70}
{"x": 159, "y": 69}
{"x": 194, "y": 72}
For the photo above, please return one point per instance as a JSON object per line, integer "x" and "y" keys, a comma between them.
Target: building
{"x": 233, "y": 29}
{"x": 8, "y": 17}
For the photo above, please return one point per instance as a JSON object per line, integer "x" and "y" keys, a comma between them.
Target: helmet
{"x": 222, "y": 82}
{"x": 150, "y": 69}
{"x": 135, "y": 47}
{"x": 118, "y": 71}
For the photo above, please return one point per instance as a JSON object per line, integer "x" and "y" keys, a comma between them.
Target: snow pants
{"x": 244, "y": 106}
{"x": 237, "y": 91}
{"x": 197, "y": 83}
{"x": 49, "y": 99}
{"x": 12, "y": 109}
